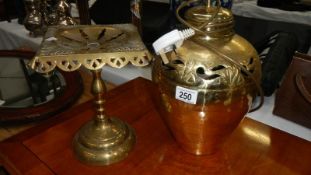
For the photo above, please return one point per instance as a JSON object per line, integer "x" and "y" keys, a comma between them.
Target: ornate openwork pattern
{"x": 68, "y": 65}
{"x": 69, "y": 47}
{"x": 140, "y": 61}
{"x": 42, "y": 67}
{"x": 204, "y": 68}
{"x": 93, "y": 64}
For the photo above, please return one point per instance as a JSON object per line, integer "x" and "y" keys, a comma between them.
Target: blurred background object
{"x": 29, "y": 96}
{"x": 43, "y": 13}
{"x": 289, "y": 5}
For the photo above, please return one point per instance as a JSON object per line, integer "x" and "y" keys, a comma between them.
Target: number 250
{"x": 184, "y": 95}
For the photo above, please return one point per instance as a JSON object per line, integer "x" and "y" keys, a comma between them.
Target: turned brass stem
{"x": 103, "y": 140}
{"x": 98, "y": 90}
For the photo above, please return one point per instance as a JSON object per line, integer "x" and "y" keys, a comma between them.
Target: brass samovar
{"x": 206, "y": 83}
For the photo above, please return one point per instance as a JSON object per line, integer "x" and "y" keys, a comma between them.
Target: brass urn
{"x": 208, "y": 83}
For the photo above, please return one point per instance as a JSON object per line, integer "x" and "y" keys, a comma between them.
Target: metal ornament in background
{"x": 63, "y": 14}
{"x": 136, "y": 10}
{"x": 33, "y": 21}
{"x": 103, "y": 140}
{"x": 209, "y": 82}
{"x": 44, "y": 13}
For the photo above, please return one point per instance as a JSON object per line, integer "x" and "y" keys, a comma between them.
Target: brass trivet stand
{"x": 103, "y": 140}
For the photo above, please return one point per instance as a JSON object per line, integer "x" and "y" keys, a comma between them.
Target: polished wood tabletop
{"x": 253, "y": 148}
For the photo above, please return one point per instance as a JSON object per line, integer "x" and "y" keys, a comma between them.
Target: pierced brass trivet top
{"x": 69, "y": 47}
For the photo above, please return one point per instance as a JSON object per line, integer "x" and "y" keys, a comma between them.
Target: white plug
{"x": 168, "y": 41}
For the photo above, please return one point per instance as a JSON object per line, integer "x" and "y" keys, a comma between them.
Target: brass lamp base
{"x": 103, "y": 142}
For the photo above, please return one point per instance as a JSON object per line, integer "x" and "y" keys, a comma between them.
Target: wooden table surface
{"x": 253, "y": 148}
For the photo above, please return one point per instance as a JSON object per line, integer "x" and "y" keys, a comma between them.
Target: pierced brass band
{"x": 91, "y": 61}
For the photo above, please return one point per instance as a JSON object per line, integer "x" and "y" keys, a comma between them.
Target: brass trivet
{"x": 104, "y": 140}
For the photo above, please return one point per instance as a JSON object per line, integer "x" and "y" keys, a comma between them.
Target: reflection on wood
{"x": 8, "y": 131}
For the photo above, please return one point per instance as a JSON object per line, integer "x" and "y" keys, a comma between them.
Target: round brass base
{"x": 103, "y": 142}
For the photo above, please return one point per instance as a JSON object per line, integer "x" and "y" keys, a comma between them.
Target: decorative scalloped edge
{"x": 70, "y": 63}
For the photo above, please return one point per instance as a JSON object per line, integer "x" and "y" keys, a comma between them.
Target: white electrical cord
{"x": 171, "y": 40}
